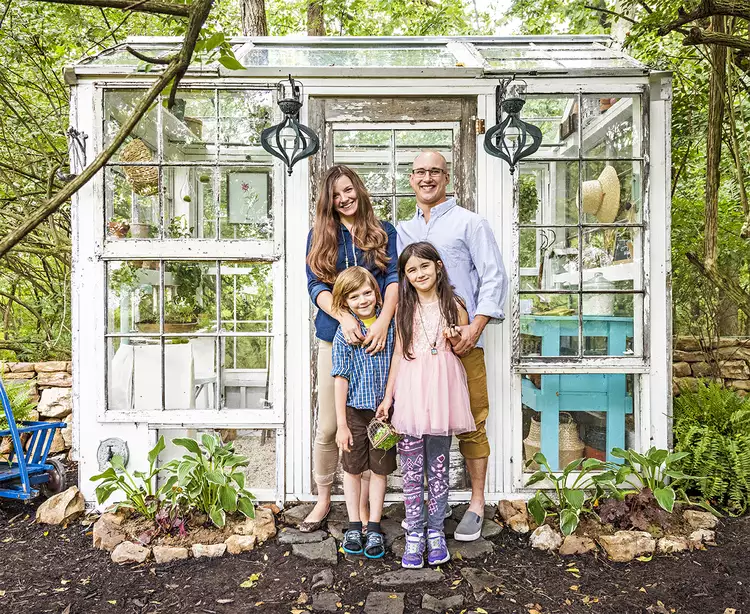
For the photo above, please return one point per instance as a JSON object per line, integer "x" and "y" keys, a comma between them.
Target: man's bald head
{"x": 429, "y": 178}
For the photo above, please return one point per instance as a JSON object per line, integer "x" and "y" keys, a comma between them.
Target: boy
{"x": 360, "y": 380}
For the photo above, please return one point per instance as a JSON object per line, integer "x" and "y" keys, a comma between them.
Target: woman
{"x": 346, "y": 233}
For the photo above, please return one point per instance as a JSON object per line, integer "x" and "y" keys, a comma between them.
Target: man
{"x": 475, "y": 267}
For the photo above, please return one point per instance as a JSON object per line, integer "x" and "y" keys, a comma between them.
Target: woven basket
{"x": 571, "y": 446}
{"x": 143, "y": 179}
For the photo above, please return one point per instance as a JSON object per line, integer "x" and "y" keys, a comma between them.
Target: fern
{"x": 19, "y": 395}
{"x": 713, "y": 424}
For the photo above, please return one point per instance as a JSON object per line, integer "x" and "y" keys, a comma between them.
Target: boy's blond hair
{"x": 350, "y": 280}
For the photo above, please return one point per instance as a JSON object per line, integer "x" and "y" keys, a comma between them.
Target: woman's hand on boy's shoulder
{"x": 377, "y": 337}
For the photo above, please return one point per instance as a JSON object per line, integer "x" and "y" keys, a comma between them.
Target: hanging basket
{"x": 382, "y": 434}
{"x": 143, "y": 179}
{"x": 569, "y": 442}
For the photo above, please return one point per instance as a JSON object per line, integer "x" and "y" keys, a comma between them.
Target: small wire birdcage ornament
{"x": 76, "y": 154}
{"x": 382, "y": 435}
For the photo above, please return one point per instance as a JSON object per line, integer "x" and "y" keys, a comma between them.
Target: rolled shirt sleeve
{"x": 493, "y": 280}
{"x": 314, "y": 285}
{"x": 341, "y": 357}
{"x": 391, "y": 273}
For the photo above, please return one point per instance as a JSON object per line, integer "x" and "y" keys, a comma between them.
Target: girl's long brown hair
{"x": 408, "y": 298}
{"x": 367, "y": 232}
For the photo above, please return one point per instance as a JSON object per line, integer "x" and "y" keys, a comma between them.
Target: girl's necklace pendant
{"x": 433, "y": 351}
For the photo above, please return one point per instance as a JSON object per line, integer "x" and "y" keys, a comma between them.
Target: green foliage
{"x": 19, "y": 395}
{"x": 211, "y": 479}
{"x": 139, "y": 488}
{"x": 570, "y": 499}
{"x": 713, "y": 424}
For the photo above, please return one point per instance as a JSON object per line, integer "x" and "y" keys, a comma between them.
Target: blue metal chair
{"x": 30, "y": 467}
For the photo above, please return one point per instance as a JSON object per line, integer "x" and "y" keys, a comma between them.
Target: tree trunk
{"x": 254, "y": 18}
{"x": 315, "y": 24}
{"x": 717, "y": 86}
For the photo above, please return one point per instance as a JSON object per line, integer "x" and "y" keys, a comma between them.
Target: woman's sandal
{"x": 309, "y": 526}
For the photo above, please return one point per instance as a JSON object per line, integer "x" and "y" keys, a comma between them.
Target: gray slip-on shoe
{"x": 470, "y": 528}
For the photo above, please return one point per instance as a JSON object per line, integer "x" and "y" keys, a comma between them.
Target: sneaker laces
{"x": 435, "y": 540}
{"x": 413, "y": 543}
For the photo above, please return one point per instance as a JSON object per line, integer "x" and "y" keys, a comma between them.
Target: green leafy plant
{"x": 19, "y": 395}
{"x": 211, "y": 479}
{"x": 713, "y": 424}
{"x": 139, "y": 487}
{"x": 570, "y": 500}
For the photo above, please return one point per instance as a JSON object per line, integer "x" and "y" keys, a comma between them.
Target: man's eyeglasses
{"x": 421, "y": 173}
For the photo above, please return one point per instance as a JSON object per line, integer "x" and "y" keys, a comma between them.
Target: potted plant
{"x": 179, "y": 317}
{"x": 118, "y": 228}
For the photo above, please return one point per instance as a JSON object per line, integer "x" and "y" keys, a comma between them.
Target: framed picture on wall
{"x": 248, "y": 198}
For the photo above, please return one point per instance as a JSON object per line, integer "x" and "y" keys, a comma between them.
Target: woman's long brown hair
{"x": 367, "y": 232}
{"x": 408, "y": 298}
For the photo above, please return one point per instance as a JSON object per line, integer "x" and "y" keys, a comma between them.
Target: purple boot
{"x": 414, "y": 552}
{"x": 437, "y": 549}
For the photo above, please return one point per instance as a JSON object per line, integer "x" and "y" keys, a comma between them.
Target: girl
{"x": 427, "y": 383}
{"x": 346, "y": 233}
{"x": 360, "y": 381}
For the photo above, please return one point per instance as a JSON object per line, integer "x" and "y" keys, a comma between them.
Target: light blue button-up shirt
{"x": 469, "y": 252}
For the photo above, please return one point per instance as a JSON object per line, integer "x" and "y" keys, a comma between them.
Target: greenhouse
{"x": 190, "y": 306}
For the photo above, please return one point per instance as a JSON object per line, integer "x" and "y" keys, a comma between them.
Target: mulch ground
{"x": 54, "y": 569}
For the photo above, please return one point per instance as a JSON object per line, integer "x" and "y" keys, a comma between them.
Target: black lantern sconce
{"x": 512, "y": 139}
{"x": 76, "y": 154}
{"x": 290, "y": 141}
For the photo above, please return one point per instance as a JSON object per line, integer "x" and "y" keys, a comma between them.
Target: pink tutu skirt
{"x": 431, "y": 396}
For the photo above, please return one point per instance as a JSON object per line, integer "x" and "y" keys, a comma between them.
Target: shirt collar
{"x": 440, "y": 209}
{"x": 361, "y": 323}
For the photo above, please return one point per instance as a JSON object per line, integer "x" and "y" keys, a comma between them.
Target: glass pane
{"x": 189, "y": 372}
{"x": 612, "y": 127}
{"x": 248, "y": 364}
{"x": 246, "y": 203}
{"x": 348, "y": 56}
{"x": 190, "y": 296}
{"x": 377, "y": 177}
{"x": 548, "y": 192}
{"x": 548, "y": 257}
{"x": 141, "y": 145}
{"x": 368, "y": 152}
{"x": 557, "y": 118}
{"x": 611, "y": 259}
{"x": 243, "y": 115}
{"x": 406, "y": 208}
{"x": 608, "y": 324}
{"x": 549, "y": 325}
{"x": 259, "y": 446}
{"x": 611, "y": 192}
{"x": 419, "y": 140}
{"x": 247, "y": 297}
{"x": 576, "y": 416}
{"x": 133, "y": 296}
{"x": 190, "y": 126}
{"x": 189, "y": 206}
{"x": 383, "y": 209}
{"x": 134, "y": 373}
{"x": 132, "y": 205}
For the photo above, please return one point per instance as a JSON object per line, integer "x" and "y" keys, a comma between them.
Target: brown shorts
{"x": 363, "y": 456}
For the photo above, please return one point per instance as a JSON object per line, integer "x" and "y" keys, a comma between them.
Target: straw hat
{"x": 601, "y": 197}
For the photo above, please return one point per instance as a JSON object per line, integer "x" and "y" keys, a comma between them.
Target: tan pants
{"x": 475, "y": 444}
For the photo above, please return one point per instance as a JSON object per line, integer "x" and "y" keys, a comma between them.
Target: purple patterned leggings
{"x": 415, "y": 452}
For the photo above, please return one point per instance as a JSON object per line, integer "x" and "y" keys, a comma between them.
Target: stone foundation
{"x": 50, "y": 386}
{"x": 726, "y": 361}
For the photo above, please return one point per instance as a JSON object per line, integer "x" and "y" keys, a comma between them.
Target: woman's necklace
{"x": 433, "y": 344}
{"x": 346, "y": 252}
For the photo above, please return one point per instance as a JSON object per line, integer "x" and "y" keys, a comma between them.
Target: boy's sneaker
{"x": 375, "y": 546}
{"x": 437, "y": 549}
{"x": 414, "y": 552}
{"x": 352, "y": 543}
{"x": 448, "y": 514}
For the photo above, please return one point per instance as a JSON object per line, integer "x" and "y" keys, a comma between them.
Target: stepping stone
{"x": 442, "y": 605}
{"x": 480, "y": 580}
{"x": 295, "y": 515}
{"x": 324, "y": 551}
{"x": 337, "y": 528}
{"x": 384, "y": 603}
{"x": 338, "y": 513}
{"x": 326, "y": 602}
{"x": 460, "y": 510}
{"x": 289, "y": 537}
{"x": 391, "y": 531}
{"x": 449, "y": 526}
{"x": 398, "y": 547}
{"x": 397, "y": 511}
{"x": 406, "y": 577}
{"x": 491, "y": 529}
{"x": 470, "y": 550}
{"x": 322, "y": 579}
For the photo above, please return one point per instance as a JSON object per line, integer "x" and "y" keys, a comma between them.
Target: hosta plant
{"x": 570, "y": 496}
{"x": 210, "y": 478}
{"x": 139, "y": 488}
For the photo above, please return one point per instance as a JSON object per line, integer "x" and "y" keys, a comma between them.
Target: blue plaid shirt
{"x": 367, "y": 375}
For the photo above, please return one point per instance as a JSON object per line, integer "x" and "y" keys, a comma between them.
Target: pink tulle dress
{"x": 431, "y": 396}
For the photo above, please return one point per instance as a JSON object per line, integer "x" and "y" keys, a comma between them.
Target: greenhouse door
{"x": 381, "y": 151}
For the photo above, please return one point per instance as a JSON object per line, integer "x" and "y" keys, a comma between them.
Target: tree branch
{"x": 174, "y": 72}
{"x": 157, "y": 7}
{"x": 708, "y": 8}
{"x": 146, "y": 58}
{"x": 729, "y": 285}
{"x": 608, "y": 12}
{"x": 697, "y": 36}
{"x": 32, "y": 311}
